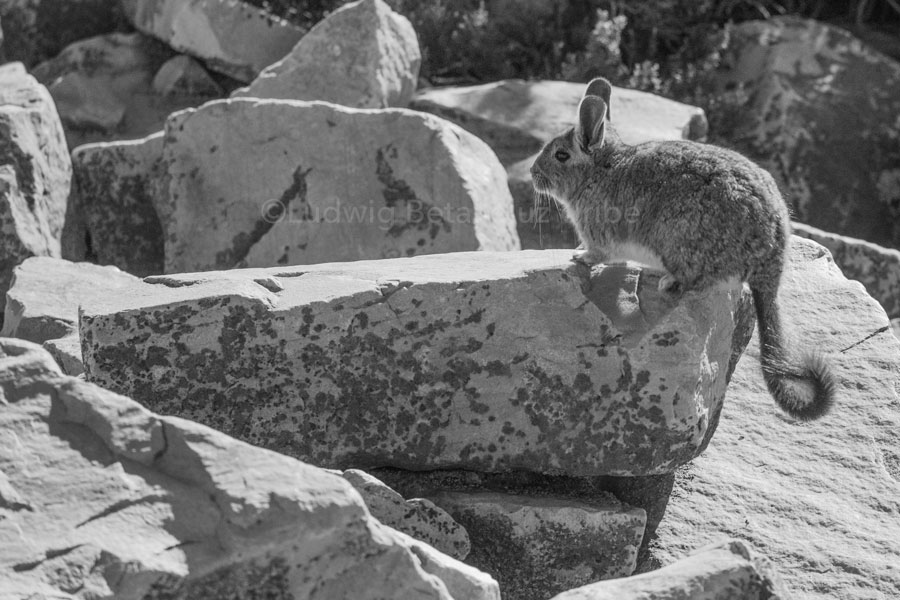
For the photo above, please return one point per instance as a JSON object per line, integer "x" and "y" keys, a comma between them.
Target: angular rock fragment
{"x": 35, "y": 172}
{"x": 87, "y": 473}
{"x": 539, "y": 546}
{"x": 362, "y": 55}
{"x": 417, "y": 517}
{"x": 231, "y": 37}
{"x": 729, "y": 570}
{"x": 516, "y": 118}
{"x": 274, "y": 182}
{"x": 477, "y": 360}
{"x": 43, "y": 300}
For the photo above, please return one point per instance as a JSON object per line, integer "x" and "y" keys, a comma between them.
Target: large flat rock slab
{"x": 477, "y": 360}
{"x": 820, "y": 499}
{"x": 101, "y": 498}
{"x": 259, "y": 183}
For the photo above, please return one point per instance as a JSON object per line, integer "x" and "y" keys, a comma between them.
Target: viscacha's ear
{"x": 602, "y": 88}
{"x": 591, "y": 122}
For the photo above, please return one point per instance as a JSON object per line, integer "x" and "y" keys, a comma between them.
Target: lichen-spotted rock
{"x": 260, "y": 183}
{"x": 543, "y": 545}
{"x": 477, "y": 360}
{"x": 101, "y": 498}
{"x": 111, "y": 217}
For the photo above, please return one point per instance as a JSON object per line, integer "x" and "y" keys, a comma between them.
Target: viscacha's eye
{"x": 561, "y": 155}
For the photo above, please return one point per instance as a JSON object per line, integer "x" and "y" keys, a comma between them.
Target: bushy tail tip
{"x": 806, "y": 392}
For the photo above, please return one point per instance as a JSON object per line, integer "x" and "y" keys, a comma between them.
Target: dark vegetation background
{"x": 669, "y": 47}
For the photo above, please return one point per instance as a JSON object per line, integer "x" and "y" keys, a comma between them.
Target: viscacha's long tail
{"x": 804, "y": 389}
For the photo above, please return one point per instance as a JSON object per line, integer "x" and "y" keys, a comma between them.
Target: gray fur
{"x": 708, "y": 213}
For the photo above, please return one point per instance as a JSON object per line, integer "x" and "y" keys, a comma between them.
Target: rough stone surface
{"x": 260, "y": 183}
{"x": 362, "y": 55}
{"x": 475, "y": 360}
{"x": 874, "y": 266}
{"x": 42, "y": 302}
{"x": 729, "y": 570}
{"x": 35, "y": 172}
{"x": 823, "y": 118}
{"x": 516, "y": 118}
{"x": 86, "y": 472}
{"x": 231, "y": 37}
{"x": 539, "y": 546}
{"x": 36, "y": 30}
{"x": 103, "y": 88}
{"x": 417, "y": 517}
{"x": 820, "y": 499}
{"x": 111, "y": 217}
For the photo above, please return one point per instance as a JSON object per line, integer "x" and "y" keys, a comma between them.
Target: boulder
{"x": 43, "y": 299}
{"x": 103, "y": 87}
{"x": 111, "y": 217}
{"x": 820, "y": 499}
{"x": 260, "y": 183}
{"x": 417, "y": 517}
{"x": 489, "y": 361}
{"x": 877, "y": 268}
{"x": 516, "y": 118}
{"x": 231, "y": 37}
{"x": 37, "y": 30}
{"x": 35, "y": 172}
{"x": 362, "y": 55}
{"x": 729, "y": 570}
{"x": 87, "y": 472}
{"x": 822, "y": 117}
{"x": 539, "y": 546}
